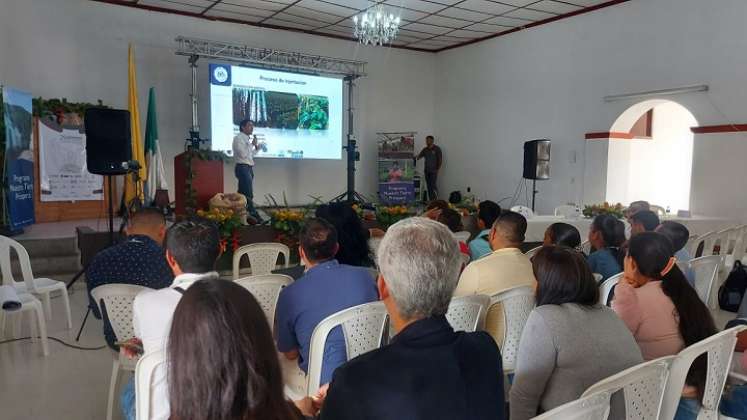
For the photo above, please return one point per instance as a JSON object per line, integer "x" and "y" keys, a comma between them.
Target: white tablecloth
{"x": 697, "y": 225}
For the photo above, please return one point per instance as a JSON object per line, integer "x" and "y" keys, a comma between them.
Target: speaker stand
{"x": 534, "y": 193}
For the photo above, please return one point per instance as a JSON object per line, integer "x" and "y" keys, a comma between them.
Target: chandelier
{"x": 376, "y": 26}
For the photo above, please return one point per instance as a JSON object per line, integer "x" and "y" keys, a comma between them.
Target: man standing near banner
{"x": 245, "y": 147}
{"x": 433, "y": 160}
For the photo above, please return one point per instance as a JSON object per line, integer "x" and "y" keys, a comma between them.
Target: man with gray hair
{"x": 429, "y": 371}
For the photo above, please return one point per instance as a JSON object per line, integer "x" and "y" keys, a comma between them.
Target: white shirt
{"x": 243, "y": 150}
{"x": 152, "y": 312}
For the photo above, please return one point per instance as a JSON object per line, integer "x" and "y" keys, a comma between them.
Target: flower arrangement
{"x": 389, "y": 215}
{"x": 364, "y": 214}
{"x": 228, "y": 224}
{"x": 287, "y": 221}
{"x": 594, "y": 210}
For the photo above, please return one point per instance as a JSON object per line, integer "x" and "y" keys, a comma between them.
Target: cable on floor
{"x": 72, "y": 346}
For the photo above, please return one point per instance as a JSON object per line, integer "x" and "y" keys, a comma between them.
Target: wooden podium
{"x": 207, "y": 180}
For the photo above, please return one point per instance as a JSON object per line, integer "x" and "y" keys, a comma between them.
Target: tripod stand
{"x": 350, "y": 195}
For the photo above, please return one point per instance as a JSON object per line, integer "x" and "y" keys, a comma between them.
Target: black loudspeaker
{"x": 537, "y": 159}
{"x": 108, "y": 142}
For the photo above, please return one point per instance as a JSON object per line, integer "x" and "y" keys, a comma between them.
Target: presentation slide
{"x": 296, "y": 116}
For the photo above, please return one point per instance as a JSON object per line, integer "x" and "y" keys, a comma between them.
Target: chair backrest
{"x": 531, "y": 252}
{"x": 724, "y": 241}
{"x": 516, "y": 303}
{"x": 462, "y": 236}
{"x": 467, "y": 313}
{"x": 363, "y": 327}
{"x": 720, "y": 348}
{"x": 708, "y": 240}
{"x": 591, "y": 407}
{"x": 115, "y": 303}
{"x": 8, "y": 245}
{"x": 597, "y": 277}
{"x": 266, "y": 289}
{"x": 524, "y": 211}
{"x": 606, "y": 287}
{"x": 144, "y": 376}
{"x": 738, "y": 251}
{"x": 568, "y": 211}
{"x": 706, "y": 271}
{"x": 643, "y": 388}
{"x": 692, "y": 244}
{"x": 263, "y": 257}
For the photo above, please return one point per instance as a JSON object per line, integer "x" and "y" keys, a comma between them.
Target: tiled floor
{"x": 70, "y": 384}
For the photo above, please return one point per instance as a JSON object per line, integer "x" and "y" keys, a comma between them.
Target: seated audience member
{"x": 434, "y": 208}
{"x": 635, "y": 207}
{"x": 562, "y": 234}
{"x": 326, "y": 288}
{"x": 487, "y": 212}
{"x": 606, "y": 236}
{"x": 643, "y": 221}
{"x": 453, "y": 220}
{"x": 139, "y": 260}
{"x": 429, "y": 371}
{"x": 351, "y": 235}
{"x": 678, "y": 234}
{"x": 570, "y": 342}
{"x": 192, "y": 246}
{"x": 662, "y": 311}
{"x": 504, "y": 268}
{"x": 220, "y": 318}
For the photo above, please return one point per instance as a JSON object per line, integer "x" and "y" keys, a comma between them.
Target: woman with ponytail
{"x": 663, "y": 311}
{"x": 606, "y": 235}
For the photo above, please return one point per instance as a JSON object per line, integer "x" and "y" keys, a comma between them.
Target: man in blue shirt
{"x": 327, "y": 287}
{"x": 487, "y": 213}
{"x": 140, "y": 260}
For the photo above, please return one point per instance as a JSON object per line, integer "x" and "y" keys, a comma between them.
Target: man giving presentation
{"x": 245, "y": 147}
{"x": 433, "y": 160}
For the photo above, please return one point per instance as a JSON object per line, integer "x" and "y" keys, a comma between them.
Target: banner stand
{"x": 18, "y": 162}
{"x": 396, "y": 167}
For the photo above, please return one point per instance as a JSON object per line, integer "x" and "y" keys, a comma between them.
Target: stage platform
{"x": 66, "y": 229}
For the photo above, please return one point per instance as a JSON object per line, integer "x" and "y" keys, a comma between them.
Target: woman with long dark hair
{"x": 663, "y": 311}
{"x": 606, "y": 235}
{"x": 222, "y": 359}
{"x": 570, "y": 342}
{"x": 351, "y": 236}
{"x": 562, "y": 234}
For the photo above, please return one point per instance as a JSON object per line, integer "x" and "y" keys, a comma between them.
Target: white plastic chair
{"x": 33, "y": 306}
{"x": 144, "y": 376}
{"x": 462, "y": 236}
{"x": 585, "y": 247}
{"x": 737, "y": 251}
{"x": 468, "y": 313}
{"x": 115, "y": 304}
{"x": 516, "y": 303}
{"x": 568, "y": 211}
{"x": 706, "y": 272}
{"x": 720, "y": 348}
{"x": 692, "y": 244}
{"x": 531, "y": 252}
{"x": 606, "y": 287}
{"x": 40, "y": 287}
{"x": 263, "y": 257}
{"x": 266, "y": 289}
{"x": 592, "y": 407}
{"x": 363, "y": 327}
{"x": 524, "y": 211}
{"x": 659, "y": 210}
{"x": 373, "y": 244}
{"x": 597, "y": 277}
{"x": 642, "y": 385}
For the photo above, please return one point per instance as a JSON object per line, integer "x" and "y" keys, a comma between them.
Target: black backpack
{"x": 731, "y": 293}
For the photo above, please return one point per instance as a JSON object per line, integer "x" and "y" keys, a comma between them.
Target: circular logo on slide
{"x": 220, "y": 74}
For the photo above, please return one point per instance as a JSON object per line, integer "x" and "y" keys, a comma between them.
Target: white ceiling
{"x": 430, "y": 25}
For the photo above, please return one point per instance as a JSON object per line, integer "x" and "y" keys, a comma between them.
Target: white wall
{"x": 658, "y": 169}
{"x": 78, "y": 49}
{"x": 549, "y": 81}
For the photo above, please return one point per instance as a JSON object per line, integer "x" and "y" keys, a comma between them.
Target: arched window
{"x": 656, "y": 163}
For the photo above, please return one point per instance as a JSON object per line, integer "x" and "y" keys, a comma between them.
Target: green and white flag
{"x": 156, "y": 179}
